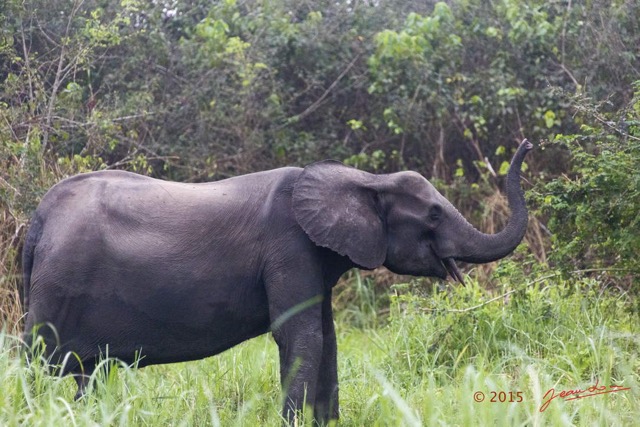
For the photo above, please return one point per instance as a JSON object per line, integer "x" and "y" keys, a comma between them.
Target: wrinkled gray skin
{"x": 175, "y": 272}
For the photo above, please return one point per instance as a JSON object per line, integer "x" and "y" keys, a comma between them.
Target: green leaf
{"x": 549, "y": 118}
{"x": 504, "y": 168}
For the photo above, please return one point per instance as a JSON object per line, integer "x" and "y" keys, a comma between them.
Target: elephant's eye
{"x": 435, "y": 213}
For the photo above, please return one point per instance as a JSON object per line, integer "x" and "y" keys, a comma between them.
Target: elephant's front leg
{"x": 326, "y": 405}
{"x": 299, "y": 338}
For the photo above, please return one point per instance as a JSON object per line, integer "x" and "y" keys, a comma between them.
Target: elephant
{"x": 151, "y": 271}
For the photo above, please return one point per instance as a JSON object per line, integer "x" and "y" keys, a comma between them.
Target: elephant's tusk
{"x": 452, "y": 268}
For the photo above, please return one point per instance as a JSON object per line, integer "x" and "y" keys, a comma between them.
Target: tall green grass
{"x": 420, "y": 365}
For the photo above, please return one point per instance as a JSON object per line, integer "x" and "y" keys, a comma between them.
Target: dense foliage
{"x": 209, "y": 89}
{"x": 593, "y": 209}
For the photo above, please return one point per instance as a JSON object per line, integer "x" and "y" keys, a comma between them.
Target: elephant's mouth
{"x": 451, "y": 267}
{"x": 448, "y": 266}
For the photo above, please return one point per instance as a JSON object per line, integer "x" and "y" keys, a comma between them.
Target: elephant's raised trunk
{"x": 477, "y": 247}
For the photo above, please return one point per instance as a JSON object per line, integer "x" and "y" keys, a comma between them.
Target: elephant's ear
{"x": 336, "y": 206}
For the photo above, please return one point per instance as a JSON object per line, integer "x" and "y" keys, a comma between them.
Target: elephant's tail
{"x": 28, "y": 255}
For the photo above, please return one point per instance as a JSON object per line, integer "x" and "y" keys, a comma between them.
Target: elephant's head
{"x": 400, "y": 220}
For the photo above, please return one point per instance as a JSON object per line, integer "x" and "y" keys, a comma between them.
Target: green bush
{"x": 594, "y": 210}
